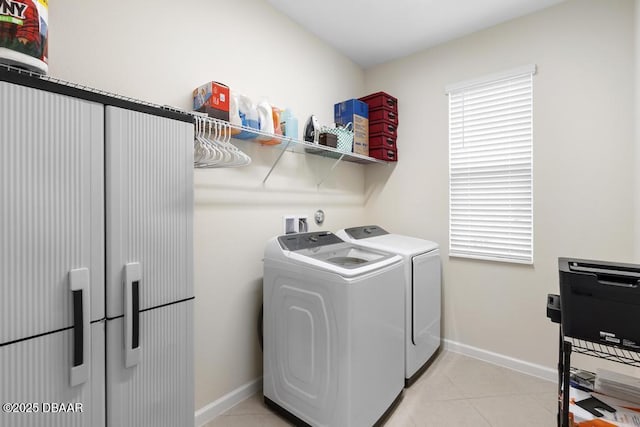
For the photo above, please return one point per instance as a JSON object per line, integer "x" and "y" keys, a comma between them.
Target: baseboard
{"x": 226, "y": 402}
{"x": 525, "y": 367}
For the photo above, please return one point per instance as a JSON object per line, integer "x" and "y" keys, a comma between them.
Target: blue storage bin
{"x": 343, "y": 112}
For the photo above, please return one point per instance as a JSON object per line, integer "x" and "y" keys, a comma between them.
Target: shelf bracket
{"x": 277, "y": 161}
{"x": 331, "y": 170}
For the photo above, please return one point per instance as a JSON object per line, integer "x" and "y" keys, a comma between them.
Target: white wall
{"x": 583, "y": 163}
{"x": 160, "y": 52}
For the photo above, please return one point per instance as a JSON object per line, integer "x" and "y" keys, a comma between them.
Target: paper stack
{"x": 627, "y": 414}
{"x": 618, "y": 385}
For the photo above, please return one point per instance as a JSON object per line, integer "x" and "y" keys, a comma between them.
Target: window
{"x": 490, "y": 167}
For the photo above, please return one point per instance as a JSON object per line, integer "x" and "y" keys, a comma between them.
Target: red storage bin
{"x": 383, "y": 114}
{"x": 381, "y": 99}
{"x": 384, "y": 154}
{"x": 384, "y": 127}
{"x": 382, "y": 141}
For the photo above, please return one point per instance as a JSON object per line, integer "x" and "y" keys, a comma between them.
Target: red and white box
{"x": 212, "y": 98}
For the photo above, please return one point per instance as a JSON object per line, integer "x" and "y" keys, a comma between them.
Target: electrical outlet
{"x": 290, "y": 224}
{"x": 303, "y": 224}
{"x": 295, "y": 224}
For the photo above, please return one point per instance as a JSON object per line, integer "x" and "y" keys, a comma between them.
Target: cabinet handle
{"x": 79, "y": 287}
{"x": 390, "y": 141}
{"x": 132, "y": 278}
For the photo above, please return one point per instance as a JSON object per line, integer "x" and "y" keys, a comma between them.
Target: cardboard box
{"x": 360, "y": 135}
{"x": 212, "y": 98}
{"x": 357, "y": 113}
{"x": 343, "y": 112}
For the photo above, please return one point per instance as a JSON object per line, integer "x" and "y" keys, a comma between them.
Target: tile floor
{"x": 456, "y": 391}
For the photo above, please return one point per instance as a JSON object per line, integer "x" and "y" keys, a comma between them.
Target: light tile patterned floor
{"x": 456, "y": 391}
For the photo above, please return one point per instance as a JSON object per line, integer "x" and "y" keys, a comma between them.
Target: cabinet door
{"x": 149, "y": 169}
{"x": 35, "y": 372}
{"x": 158, "y": 390}
{"x": 51, "y": 208}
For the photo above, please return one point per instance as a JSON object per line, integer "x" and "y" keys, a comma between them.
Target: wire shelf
{"x": 89, "y": 89}
{"x": 285, "y": 143}
{"x": 299, "y": 146}
{"x": 607, "y": 352}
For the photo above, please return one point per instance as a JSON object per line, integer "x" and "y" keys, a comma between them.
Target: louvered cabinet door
{"x": 149, "y": 170}
{"x": 158, "y": 390}
{"x": 149, "y": 232}
{"x": 51, "y": 209}
{"x": 38, "y": 389}
{"x": 51, "y": 253}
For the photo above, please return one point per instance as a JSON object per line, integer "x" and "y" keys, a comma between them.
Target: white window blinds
{"x": 490, "y": 167}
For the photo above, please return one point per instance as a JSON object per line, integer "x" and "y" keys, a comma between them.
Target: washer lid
{"x": 347, "y": 256}
{"x": 345, "y": 259}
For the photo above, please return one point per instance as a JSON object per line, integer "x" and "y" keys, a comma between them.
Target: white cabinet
{"x": 51, "y": 208}
{"x": 149, "y": 238}
{"x": 149, "y": 210}
{"x": 150, "y": 394}
{"x": 35, "y": 372}
{"x": 51, "y": 223}
{"x": 71, "y": 229}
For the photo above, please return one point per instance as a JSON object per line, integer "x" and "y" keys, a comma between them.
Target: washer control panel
{"x": 296, "y": 242}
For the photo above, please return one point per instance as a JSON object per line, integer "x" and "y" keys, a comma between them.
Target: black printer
{"x": 600, "y": 302}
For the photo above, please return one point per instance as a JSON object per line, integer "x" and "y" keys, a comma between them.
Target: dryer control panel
{"x": 365, "y": 232}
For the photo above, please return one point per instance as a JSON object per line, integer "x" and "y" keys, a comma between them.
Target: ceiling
{"x": 371, "y": 32}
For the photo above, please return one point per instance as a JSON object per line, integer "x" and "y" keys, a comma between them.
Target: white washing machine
{"x": 333, "y": 330}
{"x": 422, "y": 279}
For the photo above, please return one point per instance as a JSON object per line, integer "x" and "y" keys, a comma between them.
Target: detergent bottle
{"x": 289, "y": 124}
{"x": 234, "y": 112}
{"x": 248, "y": 116}
{"x": 266, "y": 116}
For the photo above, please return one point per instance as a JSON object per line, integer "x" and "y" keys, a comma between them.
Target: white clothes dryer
{"x": 422, "y": 291}
{"x": 333, "y": 330}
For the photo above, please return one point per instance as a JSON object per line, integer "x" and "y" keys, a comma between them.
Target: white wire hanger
{"x": 212, "y": 146}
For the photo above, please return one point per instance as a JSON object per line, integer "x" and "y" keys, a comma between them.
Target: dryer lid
{"x": 365, "y": 231}
{"x": 382, "y": 240}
